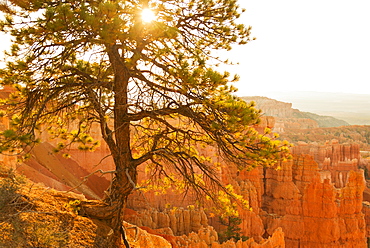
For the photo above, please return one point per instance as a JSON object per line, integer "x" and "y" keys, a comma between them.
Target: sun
{"x": 147, "y": 15}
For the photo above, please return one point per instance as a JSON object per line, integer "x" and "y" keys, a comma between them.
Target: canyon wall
{"x": 311, "y": 211}
{"x": 271, "y": 107}
{"x": 334, "y": 160}
{"x": 290, "y": 119}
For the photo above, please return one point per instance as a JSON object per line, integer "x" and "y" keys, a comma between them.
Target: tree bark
{"x": 126, "y": 174}
{"x": 111, "y": 209}
{"x": 121, "y": 188}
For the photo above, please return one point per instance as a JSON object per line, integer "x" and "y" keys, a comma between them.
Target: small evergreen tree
{"x": 233, "y": 230}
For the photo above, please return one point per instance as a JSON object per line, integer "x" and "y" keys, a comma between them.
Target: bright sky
{"x": 315, "y": 45}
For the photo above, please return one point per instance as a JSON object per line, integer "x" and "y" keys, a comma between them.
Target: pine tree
{"x": 97, "y": 61}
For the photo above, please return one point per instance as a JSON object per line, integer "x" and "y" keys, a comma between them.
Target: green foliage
{"x": 29, "y": 230}
{"x": 366, "y": 172}
{"x": 228, "y": 203}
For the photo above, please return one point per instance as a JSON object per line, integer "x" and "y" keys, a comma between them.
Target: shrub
{"x": 9, "y": 187}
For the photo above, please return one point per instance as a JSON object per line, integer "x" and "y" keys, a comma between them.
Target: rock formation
{"x": 334, "y": 159}
{"x": 288, "y": 118}
{"x": 204, "y": 238}
{"x": 180, "y": 221}
{"x": 139, "y": 237}
{"x": 271, "y": 107}
{"x": 297, "y": 196}
{"x": 207, "y": 237}
{"x": 312, "y": 211}
{"x": 284, "y": 124}
{"x": 61, "y": 173}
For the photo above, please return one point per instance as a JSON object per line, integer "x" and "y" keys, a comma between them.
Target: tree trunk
{"x": 121, "y": 188}
{"x": 111, "y": 209}
{"x": 126, "y": 174}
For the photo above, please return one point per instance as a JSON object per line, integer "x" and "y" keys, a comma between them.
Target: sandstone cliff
{"x": 334, "y": 160}
{"x": 271, "y": 107}
{"x": 312, "y": 211}
{"x": 298, "y": 196}
{"x": 289, "y": 118}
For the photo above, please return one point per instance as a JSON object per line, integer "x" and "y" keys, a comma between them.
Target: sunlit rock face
{"x": 300, "y": 198}
{"x": 309, "y": 208}
{"x": 334, "y": 160}
{"x": 316, "y": 198}
{"x": 271, "y": 107}
{"x": 312, "y": 211}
